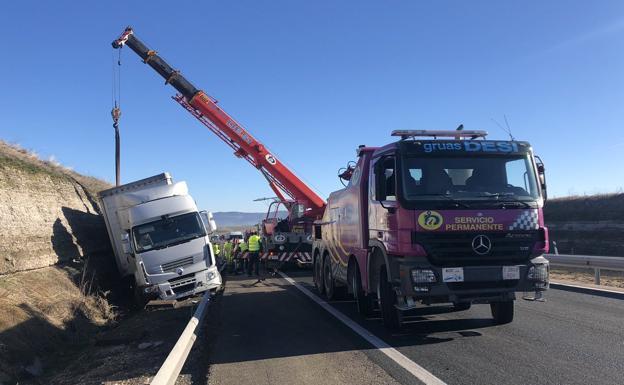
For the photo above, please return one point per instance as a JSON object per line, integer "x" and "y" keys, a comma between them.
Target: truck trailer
{"x": 160, "y": 239}
{"x": 436, "y": 217}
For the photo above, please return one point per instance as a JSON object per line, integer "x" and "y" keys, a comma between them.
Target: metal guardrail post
{"x": 597, "y": 275}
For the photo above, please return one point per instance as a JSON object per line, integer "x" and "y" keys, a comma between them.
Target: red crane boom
{"x": 281, "y": 179}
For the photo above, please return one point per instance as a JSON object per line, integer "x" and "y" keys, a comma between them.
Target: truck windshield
{"x": 168, "y": 231}
{"x": 495, "y": 177}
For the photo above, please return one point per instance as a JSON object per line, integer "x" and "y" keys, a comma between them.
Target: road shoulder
{"x": 269, "y": 334}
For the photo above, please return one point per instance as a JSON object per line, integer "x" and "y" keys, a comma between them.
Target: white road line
{"x": 416, "y": 370}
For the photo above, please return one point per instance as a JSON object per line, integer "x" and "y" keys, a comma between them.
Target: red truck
{"x": 436, "y": 217}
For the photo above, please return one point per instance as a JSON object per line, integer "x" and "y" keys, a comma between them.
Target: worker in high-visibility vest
{"x": 228, "y": 254}
{"x": 215, "y": 249}
{"x": 254, "y": 254}
{"x": 240, "y": 251}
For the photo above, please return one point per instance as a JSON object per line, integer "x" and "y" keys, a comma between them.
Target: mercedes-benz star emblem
{"x": 481, "y": 244}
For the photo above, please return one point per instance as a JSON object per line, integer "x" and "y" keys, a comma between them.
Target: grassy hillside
{"x": 17, "y": 158}
{"x": 591, "y": 225}
{"x": 592, "y": 208}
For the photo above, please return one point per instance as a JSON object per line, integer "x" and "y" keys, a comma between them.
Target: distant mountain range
{"x": 235, "y": 218}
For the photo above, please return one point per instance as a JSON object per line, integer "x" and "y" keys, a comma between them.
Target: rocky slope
{"x": 48, "y": 214}
{"x": 55, "y": 263}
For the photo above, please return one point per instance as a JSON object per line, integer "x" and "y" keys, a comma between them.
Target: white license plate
{"x": 511, "y": 272}
{"x": 273, "y": 257}
{"x": 453, "y": 274}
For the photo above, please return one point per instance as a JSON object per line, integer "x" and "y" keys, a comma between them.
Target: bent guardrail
{"x": 170, "y": 369}
{"x": 587, "y": 261}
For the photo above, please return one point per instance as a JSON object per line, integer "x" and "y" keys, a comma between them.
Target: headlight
{"x": 309, "y": 238}
{"x": 423, "y": 276}
{"x": 538, "y": 273}
{"x": 211, "y": 275}
{"x": 279, "y": 238}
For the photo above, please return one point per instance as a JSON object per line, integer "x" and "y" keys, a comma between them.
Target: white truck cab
{"x": 160, "y": 237}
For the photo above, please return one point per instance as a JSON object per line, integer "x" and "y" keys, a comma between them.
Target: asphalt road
{"x": 271, "y": 333}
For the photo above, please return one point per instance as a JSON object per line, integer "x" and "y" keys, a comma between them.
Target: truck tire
{"x": 328, "y": 280}
{"x": 318, "y": 275}
{"x": 139, "y": 298}
{"x": 502, "y": 312}
{"x": 387, "y": 301}
{"x": 363, "y": 302}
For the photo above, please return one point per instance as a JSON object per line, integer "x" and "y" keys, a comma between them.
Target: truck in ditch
{"x": 160, "y": 239}
{"x": 436, "y": 217}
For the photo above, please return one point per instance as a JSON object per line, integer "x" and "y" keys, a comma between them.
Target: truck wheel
{"x": 328, "y": 280}
{"x": 140, "y": 299}
{"x": 318, "y": 275}
{"x": 387, "y": 299}
{"x": 364, "y": 302}
{"x": 502, "y": 312}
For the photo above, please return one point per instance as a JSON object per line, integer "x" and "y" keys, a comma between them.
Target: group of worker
{"x": 241, "y": 255}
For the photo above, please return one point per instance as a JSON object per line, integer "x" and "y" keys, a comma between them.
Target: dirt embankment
{"x": 55, "y": 261}
{"x": 590, "y": 225}
{"x": 48, "y": 214}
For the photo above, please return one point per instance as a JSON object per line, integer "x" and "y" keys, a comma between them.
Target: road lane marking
{"x": 416, "y": 370}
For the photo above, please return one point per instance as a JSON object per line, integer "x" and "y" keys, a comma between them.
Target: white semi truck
{"x": 160, "y": 238}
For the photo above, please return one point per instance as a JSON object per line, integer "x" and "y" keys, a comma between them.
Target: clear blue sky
{"x": 314, "y": 79}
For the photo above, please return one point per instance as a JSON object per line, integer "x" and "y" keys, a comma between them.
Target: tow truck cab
{"x": 440, "y": 221}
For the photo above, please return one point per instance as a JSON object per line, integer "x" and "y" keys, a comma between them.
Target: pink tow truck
{"x": 436, "y": 217}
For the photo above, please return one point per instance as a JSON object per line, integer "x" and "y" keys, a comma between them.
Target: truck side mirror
{"x": 125, "y": 243}
{"x": 380, "y": 181}
{"x": 209, "y": 222}
{"x": 541, "y": 174}
{"x": 213, "y": 224}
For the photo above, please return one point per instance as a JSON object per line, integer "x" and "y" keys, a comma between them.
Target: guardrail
{"x": 170, "y": 369}
{"x": 587, "y": 261}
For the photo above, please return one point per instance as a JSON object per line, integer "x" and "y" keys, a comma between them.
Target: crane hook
{"x": 116, "y": 114}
